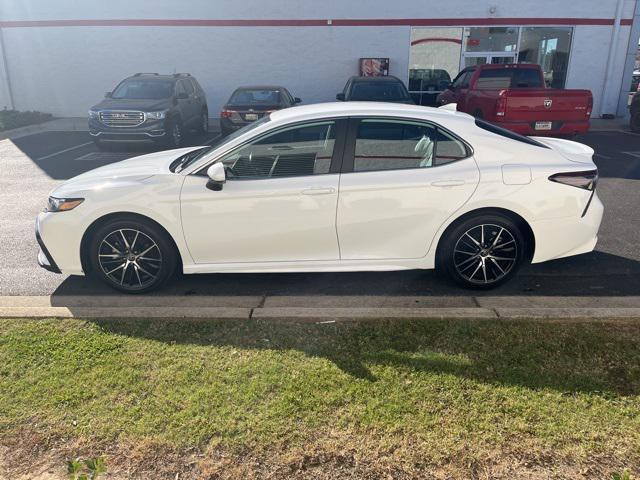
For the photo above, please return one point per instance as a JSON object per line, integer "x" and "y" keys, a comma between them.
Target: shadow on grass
{"x": 567, "y": 357}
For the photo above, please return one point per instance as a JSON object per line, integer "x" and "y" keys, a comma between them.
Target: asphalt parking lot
{"x": 31, "y": 166}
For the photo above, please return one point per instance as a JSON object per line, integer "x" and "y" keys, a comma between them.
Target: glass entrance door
{"x": 472, "y": 59}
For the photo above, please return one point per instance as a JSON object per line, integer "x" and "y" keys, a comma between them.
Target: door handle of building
{"x": 319, "y": 191}
{"x": 447, "y": 183}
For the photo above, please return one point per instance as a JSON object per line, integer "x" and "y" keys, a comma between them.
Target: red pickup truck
{"x": 515, "y": 97}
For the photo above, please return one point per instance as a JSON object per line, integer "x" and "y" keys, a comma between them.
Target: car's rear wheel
{"x": 482, "y": 252}
{"x": 133, "y": 256}
{"x": 635, "y": 122}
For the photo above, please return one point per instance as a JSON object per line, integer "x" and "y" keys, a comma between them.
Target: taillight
{"x": 226, "y": 113}
{"x": 589, "y": 106}
{"x": 586, "y": 180}
{"x": 501, "y": 104}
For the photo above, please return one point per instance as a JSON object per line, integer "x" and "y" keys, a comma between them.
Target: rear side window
{"x": 187, "y": 86}
{"x": 507, "y": 133}
{"x": 498, "y": 78}
{"x": 397, "y": 145}
{"x": 378, "y": 91}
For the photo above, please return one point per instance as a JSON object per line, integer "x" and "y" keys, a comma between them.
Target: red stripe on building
{"x": 427, "y": 22}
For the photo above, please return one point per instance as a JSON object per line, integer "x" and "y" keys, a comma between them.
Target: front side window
{"x": 290, "y": 152}
{"x": 396, "y": 145}
{"x": 188, "y": 87}
{"x": 140, "y": 89}
{"x": 462, "y": 80}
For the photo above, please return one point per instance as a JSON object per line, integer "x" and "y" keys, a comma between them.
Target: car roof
{"x": 260, "y": 87}
{"x": 345, "y": 109}
{"x": 386, "y": 78}
{"x": 156, "y": 76}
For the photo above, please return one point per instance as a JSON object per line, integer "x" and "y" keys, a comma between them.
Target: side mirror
{"x": 444, "y": 85}
{"x": 107, "y": 94}
{"x": 217, "y": 177}
{"x": 182, "y": 96}
{"x": 297, "y": 100}
{"x": 450, "y": 86}
{"x": 340, "y": 97}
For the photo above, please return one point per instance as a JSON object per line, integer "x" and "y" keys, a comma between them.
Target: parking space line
{"x": 64, "y": 151}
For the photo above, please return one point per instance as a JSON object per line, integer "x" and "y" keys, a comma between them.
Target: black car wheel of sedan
{"x": 132, "y": 255}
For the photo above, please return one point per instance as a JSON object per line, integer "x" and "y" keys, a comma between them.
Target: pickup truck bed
{"x": 513, "y": 97}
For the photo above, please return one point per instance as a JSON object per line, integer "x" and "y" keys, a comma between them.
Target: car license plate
{"x": 251, "y": 116}
{"x": 544, "y": 125}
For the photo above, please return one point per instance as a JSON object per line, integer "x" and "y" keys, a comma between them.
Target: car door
{"x": 459, "y": 88}
{"x": 192, "y": 105}
{"x": 278, "y": 203}
{"x": 401, "y": 180}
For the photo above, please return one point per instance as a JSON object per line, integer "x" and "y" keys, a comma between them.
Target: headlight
{"x": 93, "y": 113}
{"x": 63, "y": 204}
{"x": 156, "y": 115}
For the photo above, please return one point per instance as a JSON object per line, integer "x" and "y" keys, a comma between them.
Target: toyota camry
{"x": 331, "y": 187}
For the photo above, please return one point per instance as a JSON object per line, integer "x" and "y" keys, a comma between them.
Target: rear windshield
{"x": 497, "y": 78}
{"x": 267, "y": 97}
{"x": 378, "y": 91}
{"x": 507, "y": 133}
{"x": 144, "y": 89}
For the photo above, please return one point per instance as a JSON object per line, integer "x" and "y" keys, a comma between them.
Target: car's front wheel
{"x": 132, "y": 255}
{"x": 482, "y": 252}
{"x": 174, "y": 134}
{"x": 635, "y": 121}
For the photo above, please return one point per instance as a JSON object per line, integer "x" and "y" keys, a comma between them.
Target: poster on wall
{"x": 374, "y": 67}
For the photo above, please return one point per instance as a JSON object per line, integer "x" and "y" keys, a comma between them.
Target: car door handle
{"x": 319, "y": 191}
{"x": 447, "y": 183}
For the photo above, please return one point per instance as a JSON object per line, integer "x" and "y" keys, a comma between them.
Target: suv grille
{"x": 121, "y": 119}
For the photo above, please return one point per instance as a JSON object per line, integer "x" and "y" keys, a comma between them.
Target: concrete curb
{"x": 321, "y": 309}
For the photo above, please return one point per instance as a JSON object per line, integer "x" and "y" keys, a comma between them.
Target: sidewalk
{"x": 616, "y": 124}
{"x": 71, "y": 124}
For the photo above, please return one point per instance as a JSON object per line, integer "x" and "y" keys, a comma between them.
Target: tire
{"x": 635, "y": 122}
{"x": 472, "y": 263}
{"x": 478, "y": 114}
{"x": 100, "y": 145}
{"x": 141, "y": 264}
{"x": 203, "y": 126}
{"x": 175, "y": 134}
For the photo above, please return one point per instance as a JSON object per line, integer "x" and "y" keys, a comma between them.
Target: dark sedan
{"x": 375, "y": 89}
{"x": 248, "y": 104}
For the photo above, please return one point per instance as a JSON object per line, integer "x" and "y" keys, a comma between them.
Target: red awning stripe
{"x": 417, "y": 22}
{"x": 429, "y": 40}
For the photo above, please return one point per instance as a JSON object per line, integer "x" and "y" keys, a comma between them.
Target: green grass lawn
{"x": 448, "y": 399}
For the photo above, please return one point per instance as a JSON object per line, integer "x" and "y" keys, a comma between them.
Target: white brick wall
{"x": 64, "y": 70}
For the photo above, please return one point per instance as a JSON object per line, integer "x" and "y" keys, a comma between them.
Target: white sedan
{"x": 331, "y": 187}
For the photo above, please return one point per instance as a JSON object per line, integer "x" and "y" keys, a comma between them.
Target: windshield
{"x": 246, "y": 96}
{"x": 144, "y": 89}
{"x": 190, "y": 158}
{"x": 378, "y": 91}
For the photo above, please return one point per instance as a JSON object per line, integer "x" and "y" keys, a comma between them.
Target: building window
{"x": 434, "y": 61}
{"x": 491, "y": 39}
{"x": 548, "y": 47}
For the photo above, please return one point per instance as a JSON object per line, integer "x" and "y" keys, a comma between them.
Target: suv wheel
{"x": 482, "y": 252}
{"x": 100, "y": 145}
{"x": 175, "y": 134}
{"x": 133, "y": 256}
{"x": 635, "y": 121}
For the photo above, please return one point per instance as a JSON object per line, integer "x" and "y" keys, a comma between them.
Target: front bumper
{"x": 149, "y": 130}
{"x": 558, "y": 128}
{"x": 45, "y": 260}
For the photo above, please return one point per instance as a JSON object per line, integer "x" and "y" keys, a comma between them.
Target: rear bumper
{"x": 567, "y": 236}
{"x": 228, "y": 125}
{"x": 558, "y": 128}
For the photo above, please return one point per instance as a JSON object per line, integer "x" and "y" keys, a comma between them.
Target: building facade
{"x": 61, "y": 56}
